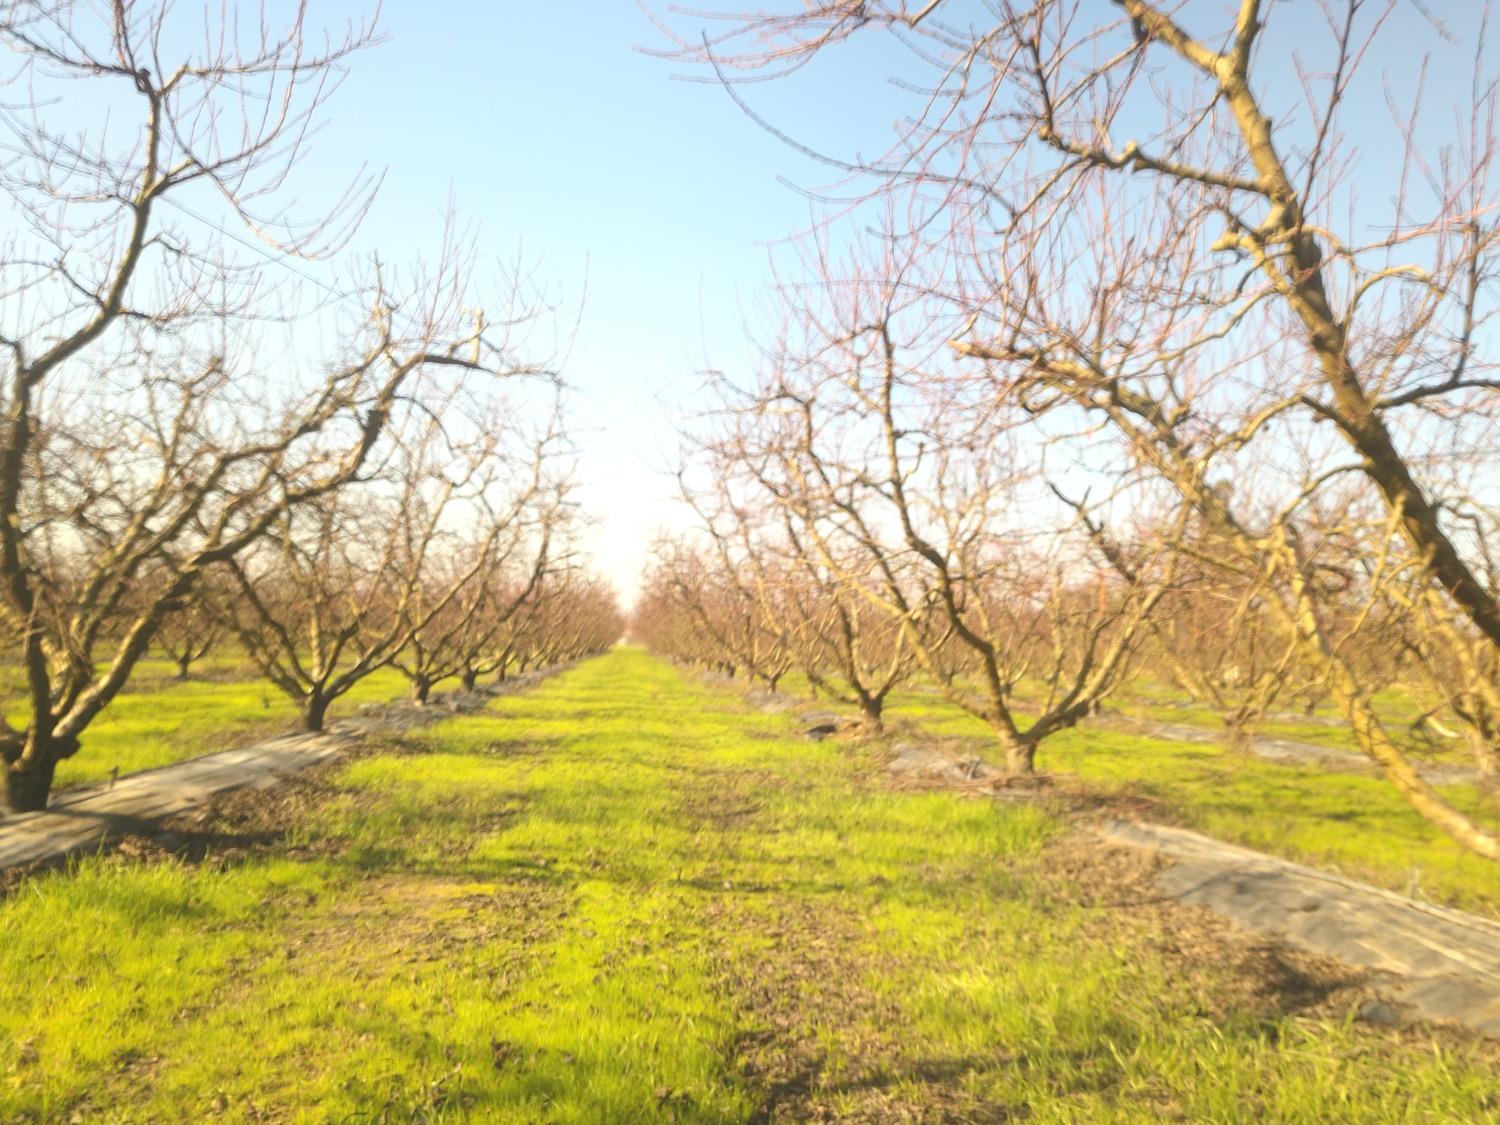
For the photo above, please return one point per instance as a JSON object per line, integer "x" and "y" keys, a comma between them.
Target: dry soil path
{"x": 1440, "y": 964}
{"x": 83, "y": 818}
{"x": 86, "y": 817}
{"x": 1287, "y": 751}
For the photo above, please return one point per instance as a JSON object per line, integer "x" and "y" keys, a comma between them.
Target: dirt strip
{"x": 80, "y": 819}
{"x": 1441, "y": 964}
{"x": 86, "y": 817}
{"x": 1436, "y": 963}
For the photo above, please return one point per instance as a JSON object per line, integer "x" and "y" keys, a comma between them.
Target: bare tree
{"x": 350, "y": 582}
{"x": 920, "y": 493}
{"x": 190, "y": 634}
{"x": 138, "y": 444}
{"x": 512, "y": 549}
{"x": 715, "y": 591}
{"x": 1145, "y": 231}
{"x": 846, "y": 647}
{"x": 785, "y": 606}
{"x": 662, "y": 622}
{"x": 581, "y": 619}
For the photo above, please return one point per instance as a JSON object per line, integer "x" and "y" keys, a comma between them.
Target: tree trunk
{"x": 1237, "y": 725}
{"x": 421, "y": 687}
{"x": 1020, "y": 756}
{"x": 872, "y": 710}
{"x": 469, "y": 680}
{"x": 314, "y": 712}
{"x": 183, "y": 663}
{"x": 28, "y": 781}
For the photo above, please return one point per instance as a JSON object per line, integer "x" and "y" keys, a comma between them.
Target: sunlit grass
{"x": 1397, "y": 707}
{"x": 1145, "y": 697}
{"x": 560, "y": 909}
{"x": 1353, "y": 823}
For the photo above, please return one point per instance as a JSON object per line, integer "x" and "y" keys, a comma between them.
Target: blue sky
{"x": 555, "y": 133}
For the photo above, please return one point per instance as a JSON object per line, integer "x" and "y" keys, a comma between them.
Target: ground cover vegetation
{"x": 159, "y": 719}
{"x": 1318, "y": 813}
{"x": 625, "y": 895}
{"x": 1349, "y": 823}
{"x": 226, "y": 704}
{"x": 1128, "y": 370}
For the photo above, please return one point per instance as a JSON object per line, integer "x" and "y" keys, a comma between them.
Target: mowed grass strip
{"x": 624, "y": 897}
{"x": 1355, "y": 824}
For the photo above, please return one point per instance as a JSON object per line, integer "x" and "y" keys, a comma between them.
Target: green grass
{"x": 158, "y": 720}
{"x": 625, "y": 897}
{"x": 1149, "y": 699}
{"x": 1396, "y": 706}
{"x": 1352, "y": 823}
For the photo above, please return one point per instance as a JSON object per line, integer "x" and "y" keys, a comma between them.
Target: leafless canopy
{"x": 150, "y": 428}
{"x": 1144, "y": 225}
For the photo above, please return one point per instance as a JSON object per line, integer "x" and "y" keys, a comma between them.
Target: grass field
{"x": 1145, "y": 698}
{"x": 1355, "y": 824}
{"x": 623, "y": 896}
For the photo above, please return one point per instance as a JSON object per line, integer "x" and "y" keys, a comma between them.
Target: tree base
{"x": 28, "y": 785}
